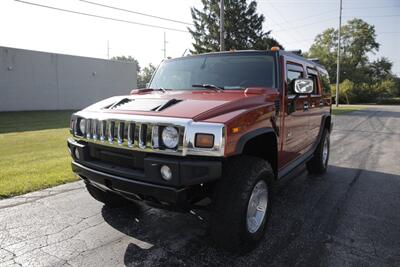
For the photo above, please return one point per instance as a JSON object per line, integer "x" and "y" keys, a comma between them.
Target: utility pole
{"x": 108, "y": 49}
{"x": 221, "y": 27}
{"x": 338, "y": 56}
{"x": 165, "y": 45}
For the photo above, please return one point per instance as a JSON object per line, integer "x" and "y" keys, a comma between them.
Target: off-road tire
{"x": 317, "y": 164}
{"x": 228, "y": 221}
{"x": 108, "y": 198}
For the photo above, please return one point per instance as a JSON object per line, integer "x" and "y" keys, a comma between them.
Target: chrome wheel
{"x": 325, "y": 150}
{"x": 257, "y": 207}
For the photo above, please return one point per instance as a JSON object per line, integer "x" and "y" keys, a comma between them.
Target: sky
{"x": 294, "y": 23}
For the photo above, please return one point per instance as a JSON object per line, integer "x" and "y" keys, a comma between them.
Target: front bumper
{"x": 130, "y": 188}
{"x": 146, "y": 182}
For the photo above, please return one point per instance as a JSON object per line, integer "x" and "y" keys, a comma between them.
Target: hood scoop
{"x": 131, "y": 104}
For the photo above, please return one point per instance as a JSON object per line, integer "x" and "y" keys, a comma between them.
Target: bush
{"x": 353, "y": 93}
{"x": 389, "y": 101}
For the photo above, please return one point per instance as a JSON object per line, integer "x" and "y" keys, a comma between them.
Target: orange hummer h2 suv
{"x": 212, "y": 131}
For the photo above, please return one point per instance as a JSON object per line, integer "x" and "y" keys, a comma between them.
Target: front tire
{"x": 318, "y": 164}
{"x": 242, "y": 204}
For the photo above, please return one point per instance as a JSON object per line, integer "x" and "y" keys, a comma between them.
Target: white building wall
{"x": 31, "y": 80}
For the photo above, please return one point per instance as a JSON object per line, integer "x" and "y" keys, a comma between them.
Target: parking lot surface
{"x": 349, "y": 216}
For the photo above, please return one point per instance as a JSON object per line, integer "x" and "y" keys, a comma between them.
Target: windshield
{"x": 227, "y": 71}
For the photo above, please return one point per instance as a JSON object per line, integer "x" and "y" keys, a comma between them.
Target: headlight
{"x": 170, "y": 137}
{"x": 82, "y": 126}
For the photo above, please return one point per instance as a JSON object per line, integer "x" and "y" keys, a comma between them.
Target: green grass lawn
{"x": 33, "y": 151}
{"x": 345, "y": 109}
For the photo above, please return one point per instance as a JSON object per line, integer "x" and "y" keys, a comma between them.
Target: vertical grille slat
{"x": 155, "y": 136}
{"x": 111, "y": 131}
{"x": 121, "y": 131}
{"x": 88, "y": 128}
{"x": 95, "y": 132}
{"x": 142, "y": 135}
{"x": 131, "y": 134}
{"x": 103, "y": 130}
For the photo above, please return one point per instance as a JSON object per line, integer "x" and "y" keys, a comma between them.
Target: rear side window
{"x": 325, "y": 83}
{"x": 313, "y": 75}
{"x": 291, "y": 75}
{"x": 293, "y": 72}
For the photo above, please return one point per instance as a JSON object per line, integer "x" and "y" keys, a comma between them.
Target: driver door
{"x": 296, "y": 121}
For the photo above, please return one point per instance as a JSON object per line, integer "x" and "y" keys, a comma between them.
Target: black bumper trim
{"x": 130, "y": 187}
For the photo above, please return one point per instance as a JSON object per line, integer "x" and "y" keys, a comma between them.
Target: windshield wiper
{"x": 208, "y": 86}
{"x": 158, "y": 89}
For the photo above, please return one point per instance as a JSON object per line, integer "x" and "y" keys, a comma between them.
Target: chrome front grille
{"x": 127, "y": 134}
{"x": 144, "y": 133}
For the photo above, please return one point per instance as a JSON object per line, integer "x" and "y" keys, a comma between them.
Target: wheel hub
{"x": 325, "y": 151}
{"x": 257, "y": 206}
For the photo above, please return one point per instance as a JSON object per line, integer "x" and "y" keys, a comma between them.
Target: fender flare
{"x": 250, "y": 135}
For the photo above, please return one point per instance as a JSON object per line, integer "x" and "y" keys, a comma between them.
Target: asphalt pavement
{"x": 348, "y": 217}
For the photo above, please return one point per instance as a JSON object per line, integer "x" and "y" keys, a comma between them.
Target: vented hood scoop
{"x": 142, "y": 104}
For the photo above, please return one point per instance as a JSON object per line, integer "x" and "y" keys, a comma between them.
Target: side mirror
{"x": 303, "y": 86}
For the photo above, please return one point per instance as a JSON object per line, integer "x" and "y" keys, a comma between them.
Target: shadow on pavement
{"x": 345, "y": 217}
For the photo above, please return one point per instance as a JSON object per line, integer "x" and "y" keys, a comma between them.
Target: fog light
{"x": 166, "y": 172}
{"x": 77, "y": 154}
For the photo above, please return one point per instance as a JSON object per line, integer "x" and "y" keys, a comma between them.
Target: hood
{"x": 192, "y": 104}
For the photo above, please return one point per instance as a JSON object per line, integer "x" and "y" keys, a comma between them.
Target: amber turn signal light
{"x": 204, "y": 140}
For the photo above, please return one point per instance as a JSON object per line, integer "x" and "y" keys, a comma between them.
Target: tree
{"x": 358, "y": 39}
{"x": 128, "y": 59}
{"x": 243, "y": 27}
{"x": 362, "y": 80}
{"x": 145, "y": 75}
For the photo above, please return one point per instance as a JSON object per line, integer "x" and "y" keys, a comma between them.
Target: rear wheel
{"x": 318, "y": 164}
{"x": 108, "y": 198}
{"x": 242, "y": 204}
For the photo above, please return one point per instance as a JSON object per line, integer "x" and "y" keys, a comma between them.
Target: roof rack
{"x": 297, "y": 52}
{"x": 316, "y": 60}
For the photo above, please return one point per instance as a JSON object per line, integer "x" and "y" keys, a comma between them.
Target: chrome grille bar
{"x": 142, "y": 136}
{"x": 111, "y": 130}
{"x": 95, "y": 129}
{"x": 87, "y": 129}
{"x": 103, "y": 131}
{"x": 155, "y": 143}
{"x": 131, "y": 134}
{"x": 121, "y": 132}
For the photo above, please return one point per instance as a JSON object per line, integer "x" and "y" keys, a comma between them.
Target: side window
{"x": 326, "y": 88}
{"x": 313, "y": 75}
{"x": 293, "y": 72}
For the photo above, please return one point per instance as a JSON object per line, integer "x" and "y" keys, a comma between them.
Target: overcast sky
{"x": 293, "y": 23}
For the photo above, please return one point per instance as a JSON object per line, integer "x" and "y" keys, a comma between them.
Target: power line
{"x": 308, "y": 24}
{"x": 305, "y": 18}
{"x": 373, "y": 16}
{"x": 101, "y": 17}
{"x": 283, "y": 17}
{"x": 369, "y": 7}
{"x": 135, "y": 12}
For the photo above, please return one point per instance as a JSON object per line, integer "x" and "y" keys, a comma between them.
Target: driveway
{"x": 349, "y": 216}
